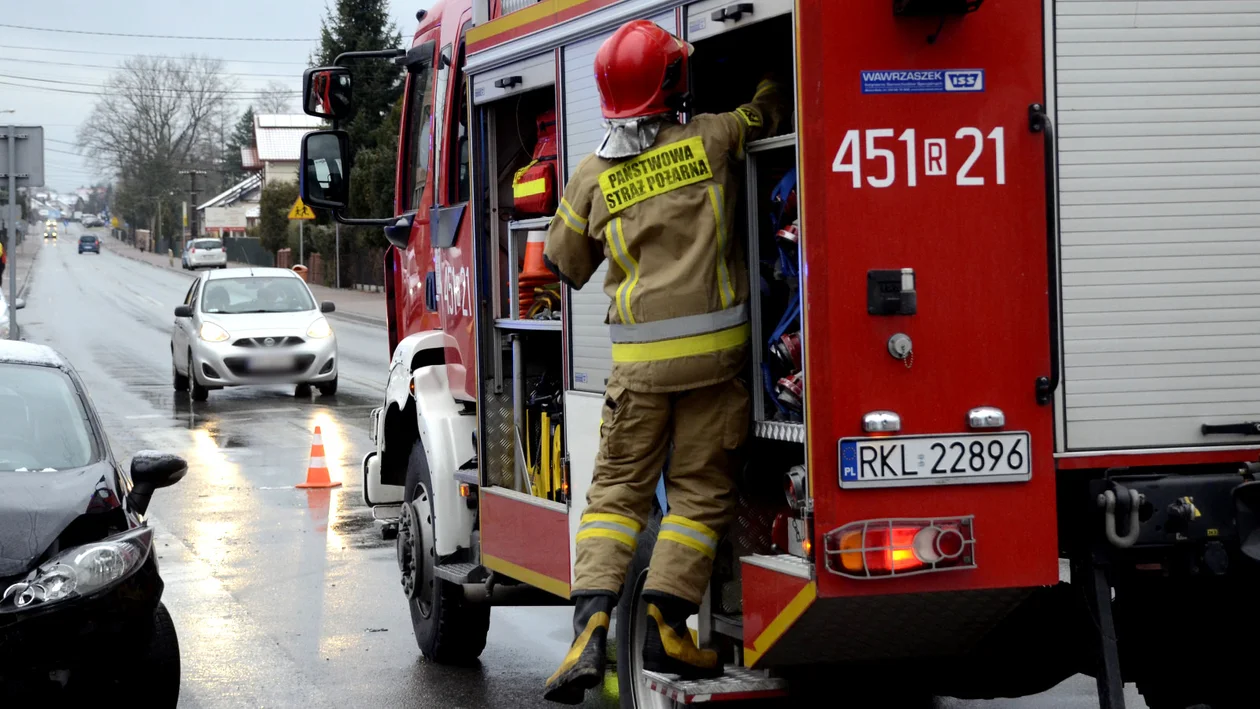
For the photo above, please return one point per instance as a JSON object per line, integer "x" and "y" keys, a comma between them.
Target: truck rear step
{"x": 737, "y": 684}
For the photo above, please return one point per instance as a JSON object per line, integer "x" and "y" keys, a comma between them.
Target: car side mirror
{"x": 326, "y": 92}
{"x": 151, "y": 470}
{"x": 19, "y": 304}
{"x": 183, "y": 311}
{"x": 325, "y": 169}
{"x": 327, "y": 306}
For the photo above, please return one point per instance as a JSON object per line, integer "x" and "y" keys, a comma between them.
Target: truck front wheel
{"x": 448, "y": 629}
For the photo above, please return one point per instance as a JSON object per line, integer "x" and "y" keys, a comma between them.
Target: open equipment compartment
{"x": 725, "y": 74}
{"x": 521, "y": 353}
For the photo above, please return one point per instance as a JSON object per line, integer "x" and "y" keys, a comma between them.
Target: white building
{"x": 278, "y": 138}
{"x": 233, "y": 211}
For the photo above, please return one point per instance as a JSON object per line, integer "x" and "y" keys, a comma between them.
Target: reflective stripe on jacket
{"x": 677, "y": 278}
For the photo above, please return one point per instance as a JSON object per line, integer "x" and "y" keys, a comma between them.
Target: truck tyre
{"x": 448, "y": 629}
{"x": 631, "y": 628}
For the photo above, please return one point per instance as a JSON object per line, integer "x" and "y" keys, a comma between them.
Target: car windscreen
{"x": 87, "y": 239}
{"x": 259, "y": 294}
{"x": 43, "y": 422}
{"x": 207, "y": 244}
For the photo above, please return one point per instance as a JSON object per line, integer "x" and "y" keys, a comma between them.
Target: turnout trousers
{"x": 697, "y": 431}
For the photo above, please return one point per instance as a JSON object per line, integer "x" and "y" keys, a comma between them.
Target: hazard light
{"x": 880, "y": 548}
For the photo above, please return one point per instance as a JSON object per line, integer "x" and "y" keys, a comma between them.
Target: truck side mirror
{"x": 326, "y": 92}
{"x": 325, "y": 169}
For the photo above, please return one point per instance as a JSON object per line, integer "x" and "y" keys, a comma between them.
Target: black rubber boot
{"x": 669, "y": 648}
{"x": 583, "y": 667}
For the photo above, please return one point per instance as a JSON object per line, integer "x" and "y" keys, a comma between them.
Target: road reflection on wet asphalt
{"x": 281, "y": 597}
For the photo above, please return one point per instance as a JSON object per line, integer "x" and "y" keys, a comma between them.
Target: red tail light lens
{"x": 900, "y": 547}
{"x": 192, "y": 251}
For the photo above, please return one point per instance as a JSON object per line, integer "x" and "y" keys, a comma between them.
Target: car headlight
{"x": 319, "y": 329}
{"x": 83, "y": 570}
{"x": 213, "y": 333}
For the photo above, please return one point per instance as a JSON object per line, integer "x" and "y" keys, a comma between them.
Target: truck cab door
{"x": 414, "y": 284}
{"x": 450, "y": 222}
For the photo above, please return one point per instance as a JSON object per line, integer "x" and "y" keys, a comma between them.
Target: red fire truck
{"x": 1026, "y": 445}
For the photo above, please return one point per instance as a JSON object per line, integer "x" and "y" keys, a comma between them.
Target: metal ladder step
{"x": 739, "y": 683}
{"x": 460, "y": 572}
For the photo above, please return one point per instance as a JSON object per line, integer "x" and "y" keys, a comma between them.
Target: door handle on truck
{"x": 732, "y": 12}
{"x": 1039, "y": 122}
{"x": 1247, "y": 428}
{"x": 508, "y": 82}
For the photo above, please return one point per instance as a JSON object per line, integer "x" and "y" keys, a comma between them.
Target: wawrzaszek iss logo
{"x": 964, "y": 80}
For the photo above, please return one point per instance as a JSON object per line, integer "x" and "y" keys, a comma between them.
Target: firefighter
{"x": 658, "y": 198}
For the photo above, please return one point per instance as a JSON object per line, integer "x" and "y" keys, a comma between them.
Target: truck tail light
{"x": 880, "y": 548}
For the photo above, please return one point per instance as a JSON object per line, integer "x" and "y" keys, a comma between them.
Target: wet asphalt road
{"x": 283, "y": 597}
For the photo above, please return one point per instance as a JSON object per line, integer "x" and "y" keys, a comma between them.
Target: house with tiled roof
{"x": 278, "y": 145}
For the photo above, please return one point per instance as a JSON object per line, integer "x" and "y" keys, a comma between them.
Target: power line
{"x": 160, "y": 36}
{"x": 231, "y": 95}
{"x": 115, "y": 68}
{"x": 247, "y": 92}
{"x": 151, "y": 56}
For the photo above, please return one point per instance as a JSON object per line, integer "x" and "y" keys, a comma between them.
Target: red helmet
{"x": 641, "y": 70}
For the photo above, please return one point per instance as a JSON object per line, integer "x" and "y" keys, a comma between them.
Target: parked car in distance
{"x": 243, "y": 326}
{"x": 79, "y": 573}
{"x": 88, "y": 242}
{"x": 204, "y": 253}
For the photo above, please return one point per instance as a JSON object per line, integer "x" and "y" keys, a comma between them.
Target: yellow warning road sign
{"x": 301, "y": 211}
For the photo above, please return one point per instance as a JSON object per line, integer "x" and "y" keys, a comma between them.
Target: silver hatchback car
{"x": 241, "y": 326}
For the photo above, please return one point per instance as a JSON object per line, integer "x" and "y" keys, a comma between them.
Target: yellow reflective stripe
{"x": 528, "y": 189}
{"x": 634, "y": 281}
{"x": 765, "y": 87}
{"x": 608, "y": 534}
{"x": 616, "y": 254}
{"x": 568, "y": 208}
{"x": 565, "y": 217}
{"x": 615, "y": 519}
{"x": 689, "y": 524}
{"x": 725, "y": 291}
{"x": 681, "y": 347}
{"x": 687, "y": 541}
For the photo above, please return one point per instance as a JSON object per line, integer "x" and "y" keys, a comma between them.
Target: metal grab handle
{"x": 732, "y": 12}
{"x": 1247, "y": 428}
{"x": 1039, "y": 122}
{"x": 1107, "y": 500}
{"x": 508, "y": 82}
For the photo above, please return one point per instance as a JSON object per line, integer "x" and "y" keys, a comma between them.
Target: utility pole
{"x": 30, "y": 167}
{"x": 12, "y": 255}
{"x": 192, "y": 202}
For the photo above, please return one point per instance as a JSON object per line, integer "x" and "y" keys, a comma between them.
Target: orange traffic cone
{"x": 317, "y": 471}
{"x": 535, "y": 273}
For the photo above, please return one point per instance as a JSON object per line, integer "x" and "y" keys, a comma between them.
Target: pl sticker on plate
{"x": 923, "y": 81}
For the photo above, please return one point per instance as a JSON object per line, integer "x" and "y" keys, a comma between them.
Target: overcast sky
{"x": 40, "y": 58}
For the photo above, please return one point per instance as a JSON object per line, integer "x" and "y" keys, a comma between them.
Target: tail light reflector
{"x": 881, "y": 548}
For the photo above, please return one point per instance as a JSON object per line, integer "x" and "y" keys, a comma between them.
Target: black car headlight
{"x": 81, "y": 571}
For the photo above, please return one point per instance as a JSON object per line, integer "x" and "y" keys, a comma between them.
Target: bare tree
{"x": 155, "y": 117}
{"x": 276, "y": 98}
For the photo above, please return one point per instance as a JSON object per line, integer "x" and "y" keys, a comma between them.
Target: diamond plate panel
{"x": 736, "y": 683}
{"x": 781, "y": 431}
{"x": 500, "y": 453}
